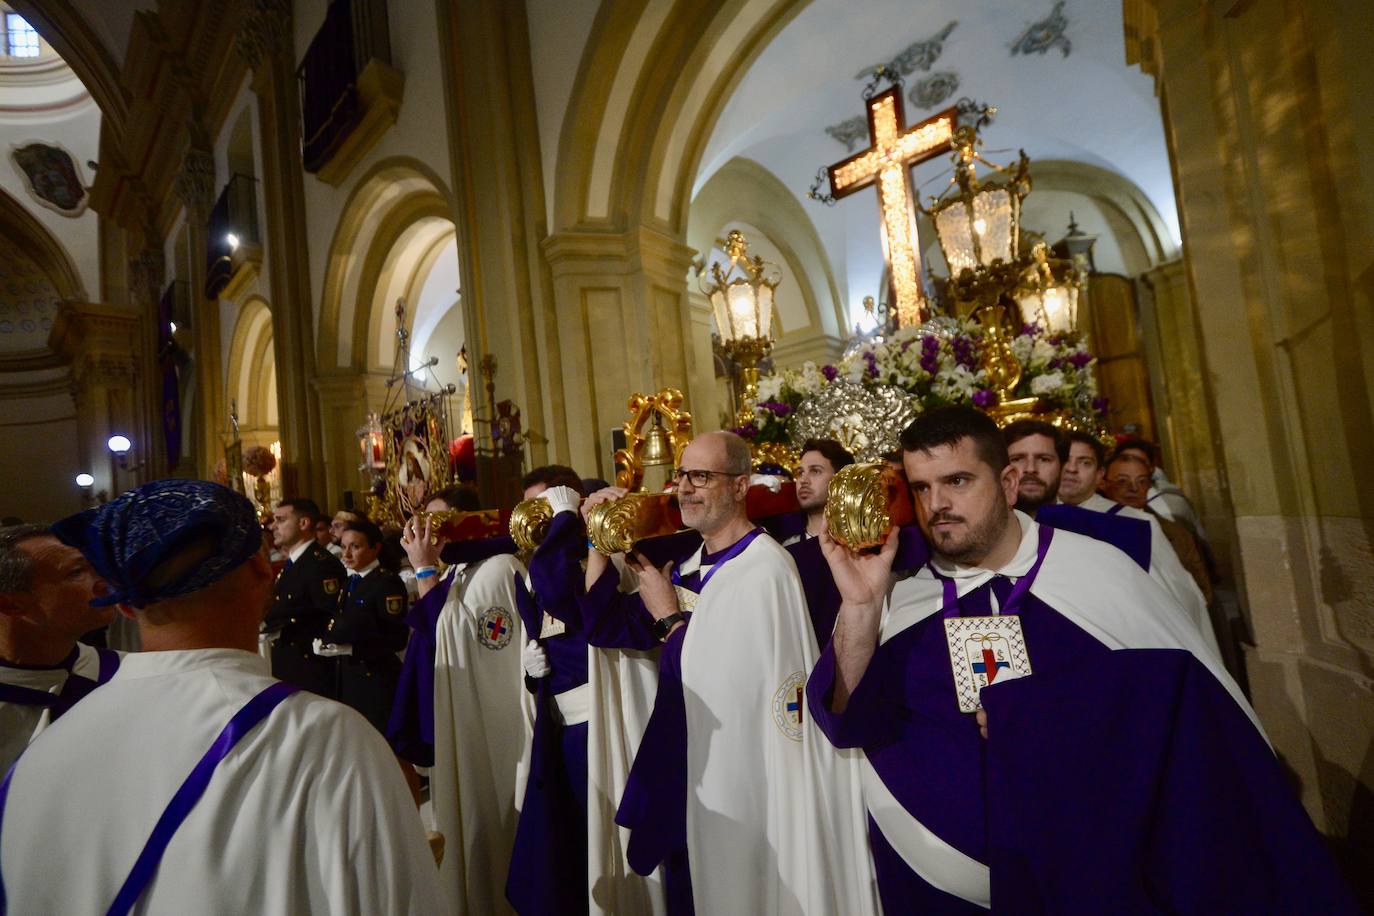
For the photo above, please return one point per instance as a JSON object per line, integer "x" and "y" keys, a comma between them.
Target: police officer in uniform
{"x": 307, "y": 594}
{"x": 369, "y": 628}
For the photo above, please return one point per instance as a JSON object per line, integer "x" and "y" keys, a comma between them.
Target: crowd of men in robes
{"x": 1020, "y": 703}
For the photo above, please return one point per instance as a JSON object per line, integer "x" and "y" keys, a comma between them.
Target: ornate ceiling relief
{"x": 1039, "y": 37}
{"x": 28, "y": 301}
{"x": 928, "y": 92}
{"x": 932, "y": 90}
{"x": 920, "y": 55}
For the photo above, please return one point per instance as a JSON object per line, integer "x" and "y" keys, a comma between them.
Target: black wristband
{"x": 664, "y": 625}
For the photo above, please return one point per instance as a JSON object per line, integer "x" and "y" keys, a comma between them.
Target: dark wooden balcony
{"x": 231, "y": 236}
{"x": 350, "y": 94}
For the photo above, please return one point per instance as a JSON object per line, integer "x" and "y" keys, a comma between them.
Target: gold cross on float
{"x": 887, "y": 162}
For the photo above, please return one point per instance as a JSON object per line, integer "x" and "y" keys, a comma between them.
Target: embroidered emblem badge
{"x": 686, "y": 599}
{"x": 395, "y": 604}
{"x": 983, "y": 651}
{"x": 494, "y": 628}
{"x": 331, "y": 586}
{"x": 789, "y": 705}
{"x": 551, "y": 626}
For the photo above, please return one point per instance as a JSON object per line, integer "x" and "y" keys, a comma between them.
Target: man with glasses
{"x": 731, "y": 789}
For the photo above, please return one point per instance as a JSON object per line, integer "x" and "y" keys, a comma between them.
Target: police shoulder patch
{"x": 788, "y": 705}
{"x": 395, "y": 604}
{"x": 495, "y": 627}
{"x": 331, "y": 586}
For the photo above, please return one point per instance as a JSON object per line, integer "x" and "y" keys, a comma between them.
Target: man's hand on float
{"x": 534, "y": 660}
{"x": 421, "y": 542}
{"x": 655, "y": 586}
{"x": 561, "y": 499}
{"x": 604, "y": 495}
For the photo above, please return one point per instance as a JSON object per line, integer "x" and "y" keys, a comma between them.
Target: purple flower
{"x": 745, "y": 432}
{"x": 872, "y": 363}
{"x": 778, "y": 408}
{"x": 930, "y": 345}
{"x": 1055, "y": 363}
{"x": 1030, "y": 329}
{"x": 983, "y": 398}
{"x": 965, "y": 352}
{"x": 1080, "y": 358}
{"x": 1100, "y": 404}
{"x": 931, "y": 363}
{"x": 830, "y": 373}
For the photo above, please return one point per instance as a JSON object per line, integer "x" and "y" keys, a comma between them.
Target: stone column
{"x": 147, "y": 278}
{"x": 265, "y": 43}
{"x": 622, "y": 312}
{"x": 1275, "y": 185}
{"x": 99, "y": 341}
{"x": 194, "y": 184}
{"x": 345, "y": 399}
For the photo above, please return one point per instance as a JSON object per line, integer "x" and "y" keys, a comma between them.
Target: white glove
{"x": 535, "y": 660}
{"x": 562, "y": 499}
{"x": 772, "y": 481}
{"x": 331, "y": 650}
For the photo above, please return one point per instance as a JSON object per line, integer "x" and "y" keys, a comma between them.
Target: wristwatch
{"x": 663, "y": 625}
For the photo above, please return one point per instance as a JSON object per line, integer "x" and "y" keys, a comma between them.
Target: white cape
{"x": 1166, "y": 569}
{"x": 772, "y": 822}
{"x": 481, "y": 735}
{"x": 20, "y": 724}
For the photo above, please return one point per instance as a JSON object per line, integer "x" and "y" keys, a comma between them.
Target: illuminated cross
{"x": 887, "y": 161}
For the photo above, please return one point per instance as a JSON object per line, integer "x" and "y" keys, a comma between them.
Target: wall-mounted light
{"x": 233, "y": 241}
{"x": 119, "y": 444}
{"x": 85, "y": 481}
{"x": 172, "y": 326}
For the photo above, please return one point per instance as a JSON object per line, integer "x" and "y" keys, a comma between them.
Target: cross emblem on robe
{"x": 893, "y": 150}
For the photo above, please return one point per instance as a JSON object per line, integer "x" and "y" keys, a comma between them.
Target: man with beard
{"x": 1038, "y": 451}
{"x": 1034, "y": 448}
{"x": 731, "y": 789}
{"x": 1041, "y": 726}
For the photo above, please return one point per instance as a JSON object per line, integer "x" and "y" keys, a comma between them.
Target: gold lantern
{"x": 742, "y": 302}
{"x": 1048, "y": 292}
{"x": 978, "y": 223}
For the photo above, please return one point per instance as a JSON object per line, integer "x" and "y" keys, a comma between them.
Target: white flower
{"x": 1047, "y": 384}
{"x": 1021, "y": 348}
{"x": 770, "y": 387}
{"x": 1042, "y": 351}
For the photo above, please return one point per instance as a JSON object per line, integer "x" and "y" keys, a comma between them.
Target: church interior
{"x": 242, "y": 237}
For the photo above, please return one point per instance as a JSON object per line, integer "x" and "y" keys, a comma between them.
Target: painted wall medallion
{"x": 52, "y": 176}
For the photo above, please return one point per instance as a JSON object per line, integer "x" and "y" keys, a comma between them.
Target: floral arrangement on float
{"x": 884, "y": 382}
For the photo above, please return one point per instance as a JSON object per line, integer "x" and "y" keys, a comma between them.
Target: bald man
{"x": 732, "y": 789}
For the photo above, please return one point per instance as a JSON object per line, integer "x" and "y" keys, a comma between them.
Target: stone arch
{"x": 64, "y": 27}
{"x": 1130, "y": 212}
{"x": 394, "y": 196}
{"x": 746, "y": 192}
{"x": 37, "y": 264}
{"x": 649, "y": 89}
{"x": 252, "y": 369}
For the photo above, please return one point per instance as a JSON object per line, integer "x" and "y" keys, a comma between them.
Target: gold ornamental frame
{"x": 667, "y": 404}
{"x": 414, "y": 440}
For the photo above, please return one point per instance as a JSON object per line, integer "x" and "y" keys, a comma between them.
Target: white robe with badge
{"x": 1166, "y": 569}
{"x": 622, "y": 684}
{"x": 773, "y": 823}
{"x": 308, "y": 813}
{"x": 19, "y": 723}
{"x": 481, "y": 733}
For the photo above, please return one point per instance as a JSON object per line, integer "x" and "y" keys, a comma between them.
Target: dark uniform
{"x": 307, "y": 595}
{"x": 372, "y": 619}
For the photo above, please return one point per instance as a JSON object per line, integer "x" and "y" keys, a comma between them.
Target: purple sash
{"x": 1010, "y": 606}
{"x": 1115, "y": 509}
{"x": 734, "y": 550}
{"x": 185, "y": 799}
{"x": 73, "y": 689}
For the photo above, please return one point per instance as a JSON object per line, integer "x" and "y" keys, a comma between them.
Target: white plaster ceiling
{"x": 1088, "y": 106}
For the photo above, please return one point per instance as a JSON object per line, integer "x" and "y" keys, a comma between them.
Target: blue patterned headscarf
{"x": 125, "y": 540}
